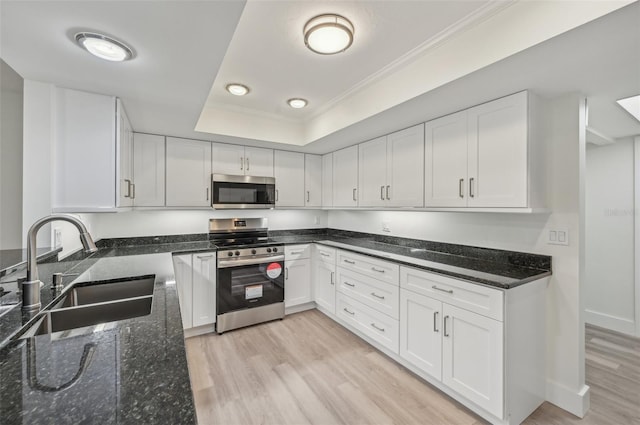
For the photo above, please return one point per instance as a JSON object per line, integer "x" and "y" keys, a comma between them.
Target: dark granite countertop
{"x": 135, "y": 370}
{"x": 12, "y": 260}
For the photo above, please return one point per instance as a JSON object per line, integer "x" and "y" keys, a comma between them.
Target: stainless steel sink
{"x": 99, "y": 292}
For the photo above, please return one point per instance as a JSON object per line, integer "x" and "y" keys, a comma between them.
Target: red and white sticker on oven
{"x": 274, "y": 270}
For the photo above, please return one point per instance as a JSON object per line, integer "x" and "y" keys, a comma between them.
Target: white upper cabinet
{"x": 188, "y": 173}
{"x": 86, "y": 166}
{"x": 345, "y": 177}
{"x": 391, "y": 169}
{"x": 327, "y": 180}
{"x": 240, "y": 160}
{"x": 124, "y": 147}
{"x": 148, "y": 170}
{"x": 482, "y": 157}
{"x": 289, "y": 173}
{"x": 312, "y": 180}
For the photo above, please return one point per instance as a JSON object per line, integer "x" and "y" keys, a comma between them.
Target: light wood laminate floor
{"x": 307, "y": 369}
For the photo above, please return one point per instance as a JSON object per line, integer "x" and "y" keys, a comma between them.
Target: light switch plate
{"x": 386, "y": 227}
{"x": 57, "y": 237}
{"x": 558, "y": 235}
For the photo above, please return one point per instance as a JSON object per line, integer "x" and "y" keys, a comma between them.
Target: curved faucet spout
{"x": 31, "y": 288}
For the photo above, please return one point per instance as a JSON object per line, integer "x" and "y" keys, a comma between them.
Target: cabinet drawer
{"x": 295, "y": 252}
{"x": 325, "y": 254}
{"x": 379, "y": 327}
{"x": 377, "y": 269}
{"x": 371, "y": 292}
{"x": 479, "y": 299}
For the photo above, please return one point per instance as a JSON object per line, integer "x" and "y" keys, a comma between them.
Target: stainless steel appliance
{"x": 250, "y": 273}
{"x": 242, "y": 192}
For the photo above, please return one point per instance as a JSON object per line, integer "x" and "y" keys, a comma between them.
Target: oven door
{"x": 242, "y": 192}
{"x": 250, "y": 285}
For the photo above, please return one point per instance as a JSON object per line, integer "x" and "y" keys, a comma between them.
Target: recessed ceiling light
{"x": 237, "y": 89}
{"x": 328, "y": 34}
{"x": 104, "y": 47}
{"x": 297, "y": 103}
{"x": 631, "y": 105}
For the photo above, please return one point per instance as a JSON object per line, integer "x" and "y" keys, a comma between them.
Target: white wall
{"x": 524, "y": 232}
{"x": 11, "y": 94}
{"x": 159, "y": 222}
{"x": 610, "y": 284}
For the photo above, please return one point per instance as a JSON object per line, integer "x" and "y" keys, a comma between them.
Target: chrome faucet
{"x": 31, "y": 287}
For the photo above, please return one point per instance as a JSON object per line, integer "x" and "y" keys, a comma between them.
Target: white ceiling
{"x": 187, "y": 50}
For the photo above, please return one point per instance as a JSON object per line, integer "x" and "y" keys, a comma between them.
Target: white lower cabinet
{"x": 324, "y": 278}
{"x": 297, "y": 282}
{"x": 196, "y": 285}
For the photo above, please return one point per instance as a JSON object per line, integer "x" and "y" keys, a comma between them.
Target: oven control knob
{"x": 230, "y": 254}
{"x": 237, "y": 253}
{"x": 253, "y": 251}
{"x": 268, "y": 249}
{"x": 275, "y": 249}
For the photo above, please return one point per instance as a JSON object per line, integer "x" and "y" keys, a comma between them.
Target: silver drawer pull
{"x": 332, "y": 274}
{"x": 295, "y": 252}
{"x": 445, "y": 326}
{"x": 377, "y": 270}
{"x": 448, "y": 291}
{"x": 373, "y": 325}
{"x": 324, "y": 254}
{"x": 381, "y": 297}
{"x": 349, "y": 284}
{"x": 350, "y": 312}
{"x": 204, "y": 257}
{"x": 435, "y": 321}
{"x": 349, "y": 261}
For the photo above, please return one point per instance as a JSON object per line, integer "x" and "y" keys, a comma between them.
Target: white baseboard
{"x": 607, "y": 321}
{"x": 200, "y": 330}
{"x": 300, "y": 307}
{"x": 576, "y": 403}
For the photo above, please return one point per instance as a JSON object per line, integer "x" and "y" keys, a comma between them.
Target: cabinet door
{"x": 405, "y": 168}
{"x": 327, "y": 180}
{"x": 289, "y": 173}
{"x": 445, "y": 161}
{"x": 204, "y": 289}
{"x": 372, "y": 172}
{"x": 345, "y": 177}
{"x": 498, "y": 153}
{"x": 124, "y": 146}
{"x": 258, "y": 162}
{"x": 421, "y": 332}
{"x": 324, "y": 286}
{"x": 472, "y": 357}
{"x": 148, "y": 170}
{"x": 297, "y": 282}
{"x": 188, "y": 173}
{"x": 227, "y": 159}
{"x": 312, "y": 180}
{"x": 183, "y": 270}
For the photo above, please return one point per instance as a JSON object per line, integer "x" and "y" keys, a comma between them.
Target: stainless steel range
{"x": 250, "y": 273}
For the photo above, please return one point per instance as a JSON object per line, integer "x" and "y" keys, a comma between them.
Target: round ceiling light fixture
{"x": 328, "y": 34}
{"x": 237, "y": 89}
{"x": 104, "y": 47}
{"x": 297, "y": 102}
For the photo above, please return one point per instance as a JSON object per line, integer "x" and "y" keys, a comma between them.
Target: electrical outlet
{"x": 386, "y": 227}
{"x": 57, "y": 237}
{"x": 558, "y": 236}
{"x": 316, "y": 220}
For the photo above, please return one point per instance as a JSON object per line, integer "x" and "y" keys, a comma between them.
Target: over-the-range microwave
{"x": 239, "y": 192}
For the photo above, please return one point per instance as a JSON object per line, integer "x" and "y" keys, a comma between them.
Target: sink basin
{"x": 99, "y": 292}
{"x": 63, "y": 319}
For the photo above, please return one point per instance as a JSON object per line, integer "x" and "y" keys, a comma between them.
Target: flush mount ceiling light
{"x": 297, "y": 103}
{"x": 104, "y": 47}
{"x": 328, "y": 34}
{"x": 631, "y": 105}
{"x": 237, "y": 89}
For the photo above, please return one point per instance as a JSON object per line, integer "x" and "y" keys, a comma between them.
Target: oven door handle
{"x": 223, "y": 263}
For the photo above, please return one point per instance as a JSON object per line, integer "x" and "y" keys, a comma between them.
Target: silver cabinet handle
{"x": 133, "y": 191}
{"x": 276, "y": 195}
{"x": 241, "y": 163}
{"x": 349, "y": 261}
{"x": 246, "y": 160}
{"x": 460, "y": 184}
{"x": 324, "y": 254}
{"x": 388, "y": 198}
{"x": 204, "y": 257}
{"x": 295, "y": 252}
{"x": 128, "y": 195}
{"x": 373, "y": 325}
{"x": 207, "y": 194}
{"x": 332, "y": 273}
{"x": 377, "y": 270}
{"x": 380, "y": 297}
{"x": 349, "y": 284}
{"x": 308, "y": 196}
{"x": 445, "y": 325}
{"x": 382, "y": 192}
{"x": 471, "y": 194}
{"x": 435, "y": 321}
{"x": 286, "y": 273}
{"x": 448, "y": 291}
{"x": 354, "y": 194}
{"x": 350, "y": 312}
